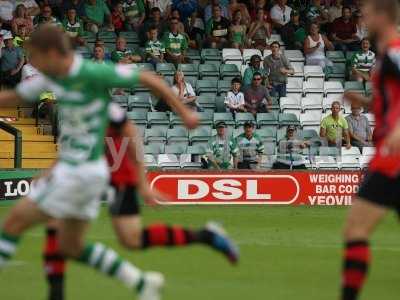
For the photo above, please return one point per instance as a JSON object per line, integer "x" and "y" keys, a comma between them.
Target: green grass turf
{"x": 287, "y": 253}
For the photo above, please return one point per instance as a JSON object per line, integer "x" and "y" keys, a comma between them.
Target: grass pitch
{"x": 286, "y": 253}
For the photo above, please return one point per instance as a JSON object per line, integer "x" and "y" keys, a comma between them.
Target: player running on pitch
{"x": 380, "y": 190}
{"x": 70, "y": 191}
{"x": 128, "y": 182}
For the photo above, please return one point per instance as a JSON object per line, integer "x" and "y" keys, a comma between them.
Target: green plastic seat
{"x": 266, "y": 120}
{"x": 154, "y": 149}
{"x": 329, "y": 151}
{"x": 197, "y": 149}
{"x": 200, "y": 134}
{"x": 206, "y": 101}
{"x": 224, "y": 116}
{"x": 267, "y": 134}
{"x": 191, "y": 70}
{"x": 166, "y": 69}
{"x": 157, "y": 119}
{"x": 336, "y": 56}
{"x": 229, "y": 70}
{"x": 194, "y": 55}
{"x": 139, "y": 117}
{"x": 208, "y": 71}
{"x": 175, "y": 120}
{"x": 145, "y": 66}
{"x": 205, "y": 118}
{"x": 155, "y": 134}
{"x": 286, "y": 119}
{"x": 220, "y": 105}
{"x": 354, "y": 86}
{"x": 241, "y": 118}
{"x": 177, "y": 135}
{"x": 176, "y": 149}
{"x": 368, "y": 88}
{"x": 206, "y": 86}
{"x": 209, "y": 54}
{"x": 139, "y": 101}
{"x": 224, "y": 86}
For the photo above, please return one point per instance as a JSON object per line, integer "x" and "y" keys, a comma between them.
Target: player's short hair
{"x": 50, "y": 37}
{"x": 390, "y": 7}
{"x": 236, "y": 80}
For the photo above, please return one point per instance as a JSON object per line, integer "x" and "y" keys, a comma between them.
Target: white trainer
{"x": 153, "y": 284}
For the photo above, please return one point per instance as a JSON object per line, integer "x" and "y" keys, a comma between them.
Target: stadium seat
{"x": 140, "y": 102}
{"x": 145, "y": 66}
{"x": 208, "y": 71}
{"x": 188, "y": 161}
{"x": 313, "y": 72}
{"x": 289, "y": 103}
{"x": 157, "y": 119}
{"x": 224, "y": 116}
{"x": 327, "y": 103}
{"x": 336, "y": 56}
{"x": 231, "y": 55}
{"x": 267, "y": 120}
{"x": 311, "y": 119}
{"x": 107, "y": 36}
{"x": 354, "y": 86}
{"x": 206, "y": 87}
{"x": 313, "y": 85}
{"x": 266, "y": 53}
{"x": 294, "y": 85}
{"x": 371, "y": 119}
{"x": 349, "y": 163}
{"x": 312, "y": 102}
{"x": 228, "y": 71}
{"x": 298, "y": 69}
{"x": 275, "y": 38}
{"x": 364, "y": 161}
{"x": 220, "y": 106}
{"x": 197, "y": 149}
{"x": 176, "y": 149}
{"x": 288, "y": 119}
{"x": 241, "y": 118}
{"x": 224, "y": 86}
{"x": 200, "y": 134}
{"x": 349, "y": 56}
{"x": 353, "y": 151}
{"x": 189, "y": 70}
{"x": 337, "y": 72}
{"x": 368, "y": 151}
{"x": 206, "y": 101}
{"x": 166, "y": 69}
{"x": 150, "y": 161}
{"x": 248, "y": 53}
{"x": 326, "y": 163}
{"x": 269, "y": 148}
{"x": 294, "y": 56}
{"x": 139, "y": 117}
{"x": 122, "y": 100}
{"x": 177, "y": 135}
{"x": 309, "y": 134}
{"x": 267, "y": 134}
{"x": 205, "y": 118}
{"x": 155, "y": 135}
{"x": 329, "y": 151}
{"x": 168, "y": 161}
{"x": 333, "y": 87}
{"x": 209, "y": 54}
{"x": 154, "y": 149}
{"x": 194, "y": 55}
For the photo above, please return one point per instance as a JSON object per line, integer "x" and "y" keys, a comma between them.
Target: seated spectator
{"x": 362, "y": 30}
{"x": 176, "y": 15}
{"x": 334, "y": 128}
{"x": 278, "y": 67}
{"x": 21, "y": 36}
{"x": 234, "y": 100}
{"x": 280, "y": 14}
{"x": 74, "y": 27}
{"x": 98, "y": 16}
{"x": 46, "y": 17}
{"x": 362, "y": 62}
{"x": 99, "y": 55}
{"x": 221, "y": 149}
{"x": 314, "y": 48}
{"x": 256, "y": 97}
{"x": 290, "y": 150}
{"x": 28, "y": 71}
{"x": 209, "y": 10}
{"x": 249, "y": 148}
{"x": 134, "y": 12}
{"x": 175, "y": 45}
{"x": 195, "y": 31}
{"x": 22, "y": 18}
{"x": 185, "y": 91}
{"x": 259, "y": 31}
{"x": 11, "y": 63}
{"x": 254, "y": 67}
{"x": 294, "y": 33}
{"x": 237, "y": 31}
{"x": 317, "y": 13}
{"x": 335, "y": 10}
{"x": 100, "y": 43}
{"x": 344, "y": 32}
{"x": 154, "y": 21}
{"x": 155, "y": 49}
{"x": 7, "y": 8}
{"x": 31, "y": 6}
{"x": 163, "y": 5}
{"x": 217, "y": 29}
{"x": 118, "y": 18}
{"x": 234, "y": 6}
{"x": 359, "y": 129}
{"x": 186, "y": 8}
{"x": 122, "y": 54}
{"x": 78, "y": 5}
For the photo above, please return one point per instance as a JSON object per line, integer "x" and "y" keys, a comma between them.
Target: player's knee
{"x": 353, "y": 231}
{"x": 70, "y": 249}
{"x": 130, "y": 241}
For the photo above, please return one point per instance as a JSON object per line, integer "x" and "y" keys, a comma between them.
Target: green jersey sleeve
{"x": 260, "y": 146}
{"x": 115, "y": 76}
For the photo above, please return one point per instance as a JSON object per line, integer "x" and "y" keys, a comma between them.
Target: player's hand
{"x": 191, "y": 120}
{"x": 153, "y": 197}
{"x": 391, "y": 144}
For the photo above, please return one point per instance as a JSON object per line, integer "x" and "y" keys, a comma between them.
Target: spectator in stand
{"x": 78, "y": 5}
{"x": 334, "y": 128}
{"x": 118, "y": 18}
{"x": 209, "y": 10}
{"x": 259, "y": 31}
{"x": 7, "y": 8}
{"x": 186, "y": 8}
{"x": 11, "y": 63}
{"x": 195, "y": 31}
{"x": 255, "y": 5}
{"x": 359, "y": 129}
{"x": 154, "y": 21}
{"x": 164, "y": 6}
{"x": 73, "y": 27}
{"x": 344, "y": 32}
{"x": 278, "y": 67}
{"x": 217, "y": 29}
{"x": 46, "y": 17}
{"x": 280, "y": 14}
{"x": 221, "y": 149}
{"x": 234, "y": 100}
{"x": 256, "y": 97}
{"x": 314, "y": 48}
{"x": 249, "y": 148}
{"x": 31, "y": 6}
{"x": 362, "y": 30}
{"x": 100, "y": 43}
{"x": 318, "y": 13}
{"x": 155, "y": 49}
{"x": 238, "y": 31}
{"x": 185, "y": 91}
{"x": 294, "y": 33}
{"x": 134, "y": 13}
{"x": 21, "y": 36}
{"x": 290, "y": 150}
{"x": 254, "y": 67}
{"x": 175, "y": 15}
{"x": 22, "y": 18}
{"x": 362, "y": 62}
{"x": 175, "y": 44}
{"x": 123, "y": 55}
{"x": 98, "y": 16}
{"x": 99, "y": 55}
{"x": 335, "y": 11}
{"x": 234, "y": 6}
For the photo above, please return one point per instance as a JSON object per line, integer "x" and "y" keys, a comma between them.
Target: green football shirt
{"x": 117, "y": 55}
{"x": 82, "y": 98}
{"x": 222, "y": 150}
{"x": 249, "y": 149}
{"x": 73, "y": 30}
{"x": 155, "y": 48}
{"x": 176, "y": 44}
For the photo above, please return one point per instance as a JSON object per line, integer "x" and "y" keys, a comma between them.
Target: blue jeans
{"x": 278, "y": 90}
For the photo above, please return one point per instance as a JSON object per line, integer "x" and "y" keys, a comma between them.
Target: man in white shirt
{"x": 280, "y": 14}
{"x": 7, "y": 8}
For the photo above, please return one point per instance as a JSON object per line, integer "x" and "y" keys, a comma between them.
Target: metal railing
{"x": 17, "y": 142}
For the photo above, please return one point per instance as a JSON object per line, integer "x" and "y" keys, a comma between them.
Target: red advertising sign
{"x": 270, "y": 187}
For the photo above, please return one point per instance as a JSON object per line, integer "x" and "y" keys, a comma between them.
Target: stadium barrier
{"x": 230, "y": 188}
{"x": 17, "y": 142}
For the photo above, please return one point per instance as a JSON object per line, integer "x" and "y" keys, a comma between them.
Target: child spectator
{"x": 98, "y": 55}
{"x": 234, "y": 100}
{"x": 134, "y": 13}
{"x": 362, "y": 62}
{"x": 122, "y": 54}
{"x": 155, "y": 49}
